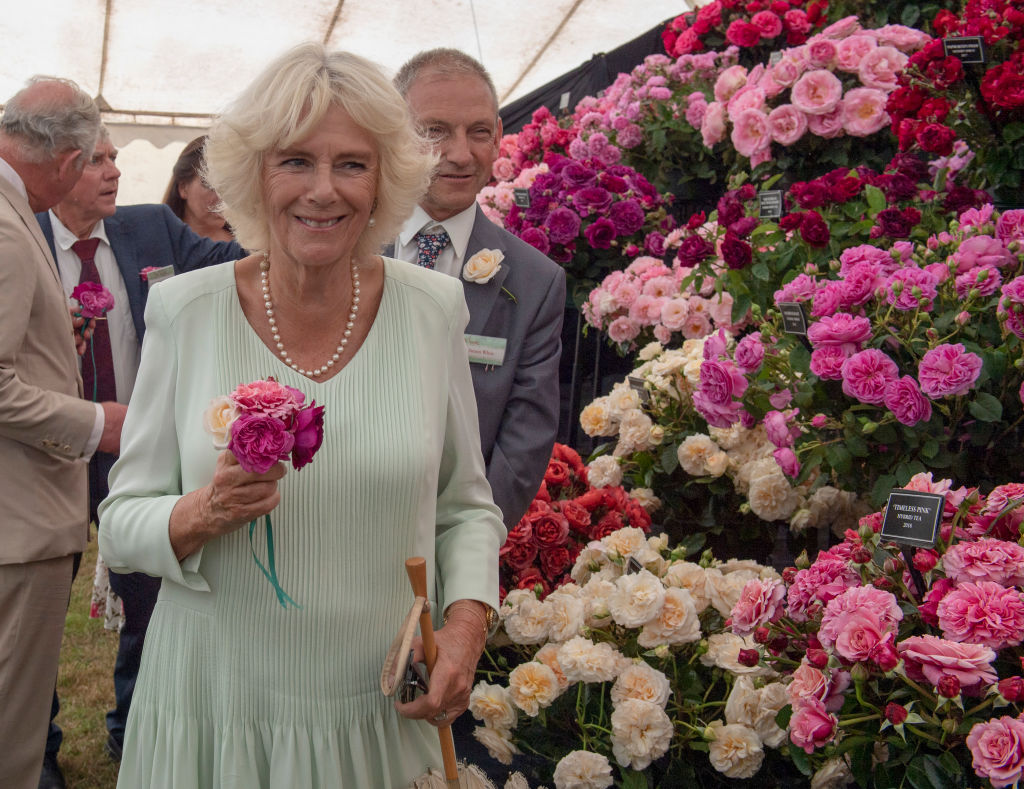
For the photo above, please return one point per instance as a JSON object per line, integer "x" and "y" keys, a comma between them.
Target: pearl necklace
{"x": 269, "y": 306}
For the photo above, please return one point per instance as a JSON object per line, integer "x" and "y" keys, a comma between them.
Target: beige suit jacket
{"x": 44, "y": 423}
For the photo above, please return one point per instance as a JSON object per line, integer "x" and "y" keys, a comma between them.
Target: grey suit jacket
{"x": 517, "y": 402}
{"x": 44, "y": 423}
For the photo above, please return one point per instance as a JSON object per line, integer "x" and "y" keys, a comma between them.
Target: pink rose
{"x": 749, "y": 97}
{"x": 768, "y": 23}
{"x": 712, "y": 128}
{"x": 905, "y": 39}
{"x": 749, "y": 353}
{"x": 863, "y": 112}
{"x": 817, "y": 92}
{"x": 1010, "y": 226}
{"x": 674, "y": 312}
{"x": 728, "y": 82}
{"x": 662, "y": 334}
{"x": 881, "y": 605}
{"x": 269, "y": 398}
{"x": 986, "y": 280}
{"x": 997, "y": 750}
{"x": 697, "y": 325}
{"x": 786, "y": 71}
{"x": 948, "y": 370}
{"x": 998, "y": 561}
{"x": 623, "y": 329}
{"x": 760, "y": 603}
{"x": 866, "y": 253}
{"x": 821, "y": 52}
{"x": 503, "y": 169}
{"x": 94, "y": 300}
{"x": 796, "y": 21}
{"x": 828, "y": 360}
{"x": 309, "y": 434}
{"x": 862, "y": 636}
{"x": 777, "y": 429}
{"x": 788, "y": 461}
{"x": 646, "y": 310}
{"x": 811, "y": 682}
{"x": 982, "y": 251}
{"x": 846, "y": 26}
{"x": 983, "y": 613}
{"x": 812, "y": 726}
{"x": 845, "y": 330}
{"x": 866, "y": 375}
{"x": 828, "y": 577}
{"x": 879, "y": 67}
{"x": 786, "y": 124}
{"x": 827, "y": 300}
{"x": 908, "y": 405}
{"x": 901, "y": 286}
{"x": 750, "y": 133}
{"x": 829, "y": 125}
{"x": 930, "y": 657}
{"x": 259, "y": 441}
{"x": 694, "y": 116}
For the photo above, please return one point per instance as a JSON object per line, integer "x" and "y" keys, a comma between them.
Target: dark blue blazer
{"x": 151, "y": 235}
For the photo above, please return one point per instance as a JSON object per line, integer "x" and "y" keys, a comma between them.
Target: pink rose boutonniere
{"x": 261, "y": 423}
{"x": 144, "y": 274}
{"x": 94, "y": 302}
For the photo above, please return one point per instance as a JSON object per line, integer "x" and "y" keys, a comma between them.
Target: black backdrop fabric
{"x": 586, "y": 80}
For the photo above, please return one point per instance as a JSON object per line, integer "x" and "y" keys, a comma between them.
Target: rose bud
{"x": 882, "y": 583}
{"x": 925, "y": 560}
{"x": 885, "y": 657}
{"x": 778, "y": 644}
{"x": 748, "y": 657}
{"x": 859, "y": 672}
{"x": 762, "y": 634}
{"x": 861, "y": 555}
{"x": 789, "y": 575}
{"x": 1011, "y": 688}
{"x": 893, "y": 565}
{"x": 813, "y": 642}
{"x": 817, "y": 657}
{"x": 895, "y": 713}
{"x": 949, "y": 686}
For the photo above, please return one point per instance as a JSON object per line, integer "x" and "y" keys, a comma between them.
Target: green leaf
{"x": 930, "y": 449}
{"x": 860, "y": 764}
{"x": 783, "y": 716}
{"x": 740, "y": 305}
{"x": 839, "y": 458}
{"x": 800, "y": 760}
{"x": 876, "y": 198}
{"x": 761, "y": 272}
{"x": 910, "y": 15}
{"x": 1013, "y": 131}
{"x": 669, "y": 459}
{"x": 986, "y": 408}
{"x": 882, "y": 487}
{"x": 800, "y": 358}
{"x": 631, "y": 779}
{"x": 927, "y": 772}
{"x": 857, "y": 445}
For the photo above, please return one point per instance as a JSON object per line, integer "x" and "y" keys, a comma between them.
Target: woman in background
{"x": 191, "y": 200}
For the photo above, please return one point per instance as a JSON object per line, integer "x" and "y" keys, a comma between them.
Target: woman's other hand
{"x": 459, "y": 646}
{"x": 232, "y": 499}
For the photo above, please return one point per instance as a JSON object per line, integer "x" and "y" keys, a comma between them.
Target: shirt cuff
{"x": 95, "y": 435}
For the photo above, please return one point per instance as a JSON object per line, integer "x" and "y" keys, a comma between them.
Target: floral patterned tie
{"x": 430, "y": 246}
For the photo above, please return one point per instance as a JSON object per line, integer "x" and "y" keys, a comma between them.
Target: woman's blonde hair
{"x": 283, "y": 105}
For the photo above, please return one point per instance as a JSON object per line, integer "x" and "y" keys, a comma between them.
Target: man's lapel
{"x": 122, "y": 243}
{"x": 25, "y": 212}
{"x": 480, "y": 298}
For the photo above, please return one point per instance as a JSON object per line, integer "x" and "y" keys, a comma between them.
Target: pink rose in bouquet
{"x": 996, "y": 561}
{"x": 983, "y": 613}
{"x": 931, "y": 658}
{"x": 760, "y": 602}
{"x": 94, "y": 300}
{"x": 948, "y": 370}
{"x": 997, "y": 750}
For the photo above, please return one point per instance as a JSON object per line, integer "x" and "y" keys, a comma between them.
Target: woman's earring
{"x": 372, "y": 222}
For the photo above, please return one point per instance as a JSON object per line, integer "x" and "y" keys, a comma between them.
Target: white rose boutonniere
{"x": 482, "y": 267}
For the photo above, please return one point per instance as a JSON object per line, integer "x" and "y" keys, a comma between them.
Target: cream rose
{"x": 482, "y": 267}
{"x": 596, "y": 595}
{"x": 641, "y": 681}
{"x": 834, "y": 774}
{"x": 604, "y": 471}
{"x": 638, "y": 598}
{"x": 693, "y": 578}
{"x": 218, "y": 418}
{"x": 498, "y": 743}
{"x": 596, "y": 419}
{"x": 723, "y": 651}
{"x": 677, "y": 623}
{"x": 532, "y": 686}
{"x": 641, "y": 733}
{"x": 584, "y": 661}
{"x": 492, "y": 704}
{"x": 694, "y": 452}
{"x": 548, "y": 655}
{"x": 566, "y": 614}
{"x": 529, "y": 622}
{"x": 736, "y": 751}
{"x": 772, "y": 698}
{"x": 625, "y": 541}
{"x": 583, "y": 770}
{"x": 743, "y": 703}
{"x": 717, "y": 464}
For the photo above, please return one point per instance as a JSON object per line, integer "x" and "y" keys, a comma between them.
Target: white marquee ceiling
{"x": 178, "y": 61}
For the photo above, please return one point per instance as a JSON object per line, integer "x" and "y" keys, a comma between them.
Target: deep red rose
{"x": 521, "y": 533}
{"x": 904, "y": 102}
{"x": 742, "y": 33}
{"x": 557, "y": 474}
{"x": 748, "y": 657}
{"x": 935, "y": 109}
{"x": 693, "y": 250}
{"x": 612, "y": 521}
{"x": 576, "y": 514}
{"x": 906, "y": 132}
{"x": 638, "y": 517}
{"x": 537, "y": 507}
{"x": 601, "y": 233}
{"x": 895, "y": 713}
{"x": 518, "y": 556}
{"x": 791, "y": 221}
{"x": 945, "y": 23}
{"x": 814, "y": 230}
{"x": 813, "y": 194}
{"x": 729, "y": 210}
{"x": 309, "y": 434}
{"x": 817, "y": 658}
{"x": 569, "y": 456}
{"x": 531, "y": 579}
{"x": 762, "y": 635}
{"x": 925, "y": 560}
{"x": 911, "y": 166}
{"x": 615, "y": 498}
{"x": 1012, "y": 689}
{"x": 861, "y": 555}
{"x": 885, "y": 656}
{"x": 591, "y": 499}
{"x": 945, "y": 72}
{"x": 893, "y": 223}
{"x": 936, "y": 138}
{"x": 736, "y": 253}
{"x": 844, "y": 189}
{"x": 949, "y": 686}
{"x": 898, "y": 187}
{"x": 543, "y": 494}
{"x": 550, "y": 531}
{"x": 554, "y": 562}
{"x": 696, "y": 220}
{"x": 745, "y": 226}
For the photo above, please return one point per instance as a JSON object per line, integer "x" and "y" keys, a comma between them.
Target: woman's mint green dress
{"x": 235, "y": 691}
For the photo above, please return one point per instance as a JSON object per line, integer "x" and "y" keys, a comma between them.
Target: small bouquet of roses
{"x": 261, "y": 423}
{"x": 94, "y": 302}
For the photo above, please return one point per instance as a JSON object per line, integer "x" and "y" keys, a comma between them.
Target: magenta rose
{"x": 827, "y": 300}
{"x": 948, "y": 370}
{"x": 788, "y": 461}
{"x": 777, "y": 428}
{"x": 1010, "y": 226}
{"x": 749, "y": 353}
{"x": 828, "y": 360}
{"x": 94, "y": 300}
{"x": 721, "y": 381}
{"x": 812, "y": 726}
{"x": 592, "y": 200}
{"x": 986, "y": 280}
{"x": 627, "y": 216}
{"x": 259, "y": 441}
{"x": 601, "y": 233}
{"x": 866, "y": 375}
{"x": 1011, "y": 306}
{"x": 760, "y": 603}
{"x": 537, "y": 239}
{"x": 908, "y": 405}
{"x": 308, "y": 430}
{"x": 982, "y": 251}
{"x": 563, "y": 225}
{"x": 983, "y": 613}
{"x": 845, "y": 330}
{"x": 931, "y": 657}
{"x": 997, "y": 750}
{"x": 269, "y": 398}
{"x": 998, "y": 561}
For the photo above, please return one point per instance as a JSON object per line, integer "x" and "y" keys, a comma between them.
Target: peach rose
{"x": 482, "y": 267}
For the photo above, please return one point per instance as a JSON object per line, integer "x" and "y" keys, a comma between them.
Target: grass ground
{"x": 86, "y": 687}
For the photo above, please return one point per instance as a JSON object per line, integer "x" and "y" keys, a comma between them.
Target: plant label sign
{"x": 913, "y": 518}
{"x": 637, "y": 385}
{"x": 521, "y": 197}
{"x": 794, "y": 319}
{"x": 769, "y": 204}
{"x": 970, "y": 49}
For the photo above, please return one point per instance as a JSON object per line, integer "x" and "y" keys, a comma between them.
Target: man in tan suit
{"x": 47, "y": 432}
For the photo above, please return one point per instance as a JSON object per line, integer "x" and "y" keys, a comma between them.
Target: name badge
{"x": 159, "y": 275}
{"x": 485, "y": 350}
{"x": 913, "y": 518}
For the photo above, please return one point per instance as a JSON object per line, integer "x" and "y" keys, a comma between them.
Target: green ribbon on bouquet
{"x": 271, "y": 572}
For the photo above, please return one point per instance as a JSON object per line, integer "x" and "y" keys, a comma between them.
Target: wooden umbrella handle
{"x": 416, "y": 568}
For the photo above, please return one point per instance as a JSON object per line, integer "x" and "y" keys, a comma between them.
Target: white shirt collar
{"x": 459, "y": 228}
{"x": 64, "y": 238}
{"x": 10, "y": 175}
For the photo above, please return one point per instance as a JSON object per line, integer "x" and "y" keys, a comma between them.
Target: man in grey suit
{"x": 126, "y": 240}
{"x": 47, "y": 431}
{"x": 515, "y": 323}
{"x": 514, "y": 333}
